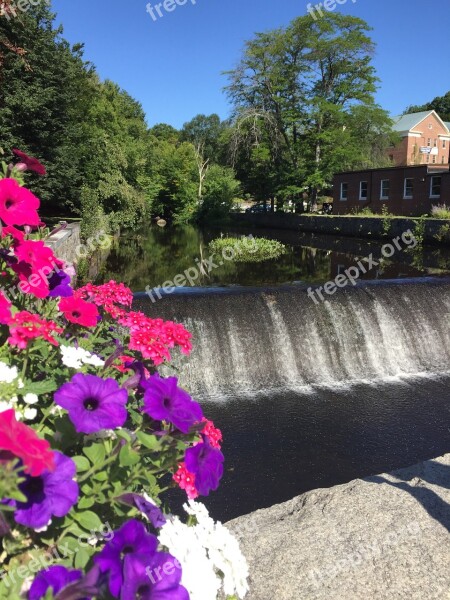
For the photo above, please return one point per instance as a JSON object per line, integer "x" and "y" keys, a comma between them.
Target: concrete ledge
{"x": 65, "y": 242}
{"x": 362, "y": 227}
{"x": 384, "y": 537}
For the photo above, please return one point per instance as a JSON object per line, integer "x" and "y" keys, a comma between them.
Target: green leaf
{"x": 39, "y": 387}
{"x": 149, "y": 441}
{"x": 128, "y": 457}
{"x": 96, "y": 454}
{"x": 82, "y": 463}
{"x": 82, "y": 558}
{"x": 86, "y": 502}
{"x": 88, "y": 520}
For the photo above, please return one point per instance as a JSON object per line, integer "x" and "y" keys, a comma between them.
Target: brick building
{"x": 406, "y": 191}
{"x": 425, "y": 140}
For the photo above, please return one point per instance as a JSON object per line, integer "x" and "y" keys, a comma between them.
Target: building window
{"x": 434, "y": 159}
{"x": 408, "y": 188}
{"x": 385, "y": 188}
{"x": 444, "y": 143}
{"x": 344, "y": 191}
{"x": 435, "y": 142}
{"x": 428, "y": 158}
{"x": 363, "y": 189}
{"x": 429, "y": 143}
{"x": 435, "y": 186}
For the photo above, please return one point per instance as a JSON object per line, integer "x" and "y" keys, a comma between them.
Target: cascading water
{"x": 282, "y": 365}
{"x": 266, "y": 340}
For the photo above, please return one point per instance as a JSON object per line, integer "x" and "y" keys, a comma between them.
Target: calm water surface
{"x": 155, "y": 256}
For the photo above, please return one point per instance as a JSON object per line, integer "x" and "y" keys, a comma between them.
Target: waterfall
{"x": 257, "y": 341}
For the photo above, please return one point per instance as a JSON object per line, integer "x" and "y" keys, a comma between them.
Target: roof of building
{"x": 428, "y": 168}
{"x": 410, "y": 121}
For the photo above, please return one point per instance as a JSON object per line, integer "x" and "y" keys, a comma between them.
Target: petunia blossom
{"x": 54, "y": 579}
{"x": 130, "y": 544}
{"x": 32, "y": 164}
{"x": 22, "y": 441}
{"x": 206, "y": 463}
{"x": 165, "y": 401}
{"x": 79, "y": 311}
{"x": 93, "y": 403}
{"x": 51, "y": 494}
{"x": 18, "y": 206}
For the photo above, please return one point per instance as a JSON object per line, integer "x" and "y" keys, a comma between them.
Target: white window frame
{"x": 431, "y": 186}
{"x": 363, "y": 199}
{"x": 444, "y": 144}
{"x": 382, "y": 197}
{"x": 342, "y": 198}
{"x": 405, "y": 197}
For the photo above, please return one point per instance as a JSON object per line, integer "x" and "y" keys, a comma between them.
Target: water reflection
{"x": 155, "y": 256}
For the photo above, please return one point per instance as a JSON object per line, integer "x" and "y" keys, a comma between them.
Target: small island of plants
{"x": 248, "y": 249}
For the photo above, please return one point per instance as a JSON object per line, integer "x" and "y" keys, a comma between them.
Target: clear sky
{"x": 173, "y": 64}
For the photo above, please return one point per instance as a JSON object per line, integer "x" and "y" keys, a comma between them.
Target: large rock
{"x": 384, "y": 537}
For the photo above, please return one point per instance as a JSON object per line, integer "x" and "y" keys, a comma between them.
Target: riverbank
{"x": 431, "y": 231}
{"x": 382, "y": 537}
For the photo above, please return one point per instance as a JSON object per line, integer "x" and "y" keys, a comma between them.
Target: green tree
{"x": 299, "y": 88}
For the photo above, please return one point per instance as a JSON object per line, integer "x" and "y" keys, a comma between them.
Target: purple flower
{"x": 51, "y": 494}
{"x": 147, "y": 508}
{"x": 59, "y": 285}
{"x": 158, "y": 579}
{"x": 130, "y": 544}
{"x": 93, "y": 403}
{"x": 54, "y": 578}
{"x": 165, "y": 401}
{"x": 206, "y": 463}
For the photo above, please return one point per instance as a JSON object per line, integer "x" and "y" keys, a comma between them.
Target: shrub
{"x": 441, "y": 211}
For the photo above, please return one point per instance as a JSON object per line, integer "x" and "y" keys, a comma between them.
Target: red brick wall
{"x": 408, "y": 151}
{"x": 418, "y": 205}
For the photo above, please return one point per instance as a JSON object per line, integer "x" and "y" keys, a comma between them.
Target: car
{"x": 257, "y": 208}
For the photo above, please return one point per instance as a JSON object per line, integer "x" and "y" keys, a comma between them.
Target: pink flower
{"x": 21, "y": 441}
{"x": 32, "y": 164}
{"x": 5, "y": 312}
{"x": 186, "y": 481}
{"x": 108, "y": 296}
{"x": 18, "y": 206}
{"x": 213, "y": 434}
{"x": 25, "y": 326}
{"x": 79, "y": 311}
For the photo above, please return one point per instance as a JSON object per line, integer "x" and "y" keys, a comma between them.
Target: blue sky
{"x": 173, "y": 65}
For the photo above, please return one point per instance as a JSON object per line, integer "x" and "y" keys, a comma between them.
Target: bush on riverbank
{"x": 248, "y": 249}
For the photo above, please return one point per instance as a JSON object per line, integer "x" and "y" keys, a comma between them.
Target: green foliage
{"x": 220, "y": 190}
{"x": 304, "y": 105}
{"x": 440, "y": 212}
{"x": 441, "y": 104}
{"x": 91, "y": 135}
{"x": 247, "y": 250}
{"x": 387, "y": 223}
{"x": 443, "y": 234}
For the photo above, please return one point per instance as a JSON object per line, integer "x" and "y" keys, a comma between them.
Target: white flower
{"x": 7, "y": 374}
{"x": 199, "y": 577}
{"x": 75, "y": 358}
{"x": 30, "y": 399}
{"x": 4, "y": 405}
{"x": 205, "y": 550}
{"x": 29, "y": 414}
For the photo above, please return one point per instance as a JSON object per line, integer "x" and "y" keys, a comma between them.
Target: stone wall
{"x": 362, "y": 227}
{"x": 65, "y": 242}
{"x": 385, "y": 537}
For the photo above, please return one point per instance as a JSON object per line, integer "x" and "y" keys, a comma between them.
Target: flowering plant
{"x": 91, "y": 436}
